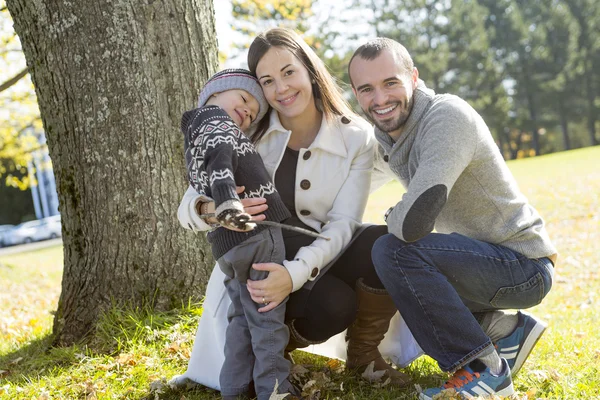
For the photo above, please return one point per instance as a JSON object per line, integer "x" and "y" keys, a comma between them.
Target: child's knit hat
{"x": 235, "y": 79}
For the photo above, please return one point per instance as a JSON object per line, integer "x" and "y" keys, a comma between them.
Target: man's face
{"x": 384, "y": 91}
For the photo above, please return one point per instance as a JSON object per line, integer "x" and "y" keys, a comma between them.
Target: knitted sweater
{"x": 456, "y": 179}
{"x": 219, "y": 156}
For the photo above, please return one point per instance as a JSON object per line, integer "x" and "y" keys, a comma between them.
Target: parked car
{"x": 3, "y": 232}
{"x": 33, "y": 231}
{"x": 49, "y": 229}
{"x": 22, "y": 233}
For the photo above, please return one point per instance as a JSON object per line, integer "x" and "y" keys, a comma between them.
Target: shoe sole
{"x": 507, "y": 391}
{"x": 528, "y": 346}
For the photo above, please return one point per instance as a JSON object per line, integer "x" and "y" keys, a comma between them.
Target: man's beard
{"x": 395, "y": 124}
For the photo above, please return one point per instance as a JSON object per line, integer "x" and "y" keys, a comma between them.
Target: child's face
{"x": 240, "y": 105}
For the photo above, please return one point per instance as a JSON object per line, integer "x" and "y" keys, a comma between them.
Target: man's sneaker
{"x": 517, "y": 346}
{"x": 469, "y": 383}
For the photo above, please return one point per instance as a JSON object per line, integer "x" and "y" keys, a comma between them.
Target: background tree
{"x": 250, "y": 17}
{"x": 19, "y": 112}
{"x": 561, "y": 102}
{"x": 112, "y": 80}
{"x": 587, "y": 15}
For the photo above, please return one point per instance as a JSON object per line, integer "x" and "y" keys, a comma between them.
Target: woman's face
{"x": 286, "y": 83}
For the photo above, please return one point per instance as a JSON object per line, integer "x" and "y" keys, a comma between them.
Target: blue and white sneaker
{"x": 470, "y": 384}
{"x": 517, "y": 346}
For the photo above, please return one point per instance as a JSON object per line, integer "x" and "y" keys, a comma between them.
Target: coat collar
{"x": 329, "y": 138}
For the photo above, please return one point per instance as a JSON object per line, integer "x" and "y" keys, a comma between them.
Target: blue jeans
{"x": 438, "y": 282}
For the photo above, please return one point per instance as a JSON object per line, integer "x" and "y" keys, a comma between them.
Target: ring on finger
{"x": 265, "y": 302}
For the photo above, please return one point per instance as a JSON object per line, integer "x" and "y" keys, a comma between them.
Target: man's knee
{"x": 384, "y": 250}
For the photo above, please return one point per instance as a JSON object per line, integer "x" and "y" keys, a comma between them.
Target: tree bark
{"x": 112, "y": 79}
{"x": 564, "y": 122}
{"x": 591, "y": 103}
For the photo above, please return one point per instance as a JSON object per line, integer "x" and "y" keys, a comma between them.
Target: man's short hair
{"x": 373, "y": 48}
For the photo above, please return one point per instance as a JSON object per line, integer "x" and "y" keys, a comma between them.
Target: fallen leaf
{"x": 447, "y": 394}
{"x": 126, "y": 359}
{"x": 157, "y": 387}
{"x": 105, "y": 367}
{"x": 371, "y": 375}
{"x": 275, "y": 395}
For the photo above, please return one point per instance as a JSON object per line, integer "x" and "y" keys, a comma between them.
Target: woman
{"x": 321, "y": 156}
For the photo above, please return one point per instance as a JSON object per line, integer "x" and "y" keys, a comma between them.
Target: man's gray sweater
{"x": 456, "y": 179}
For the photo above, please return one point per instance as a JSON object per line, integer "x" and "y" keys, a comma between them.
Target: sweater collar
{"x": 422, "y": 98}
{"x": 329, "y": 138}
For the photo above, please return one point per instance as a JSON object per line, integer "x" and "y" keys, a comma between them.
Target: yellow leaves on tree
{"x": 19, "y": 113}
{"x": 254, "y": 16}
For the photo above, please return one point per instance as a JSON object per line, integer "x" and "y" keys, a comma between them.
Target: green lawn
{"x": 136, "y": 351}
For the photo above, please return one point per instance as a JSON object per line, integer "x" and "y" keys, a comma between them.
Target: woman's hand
{"x": 273, "y": 289}
{"x": 254, "y": 206}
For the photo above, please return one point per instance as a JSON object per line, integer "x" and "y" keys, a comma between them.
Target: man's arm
{"x": 445, "y": 148}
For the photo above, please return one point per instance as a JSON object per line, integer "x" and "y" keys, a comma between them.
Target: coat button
{"x": 307, "y": 155}
{"x": 386, "y": 158}
{"x": 305, "y": 184}
{"x": 314, "y": 272}
{"x": 306, "y": 213}
{"x": 345, "y": 120}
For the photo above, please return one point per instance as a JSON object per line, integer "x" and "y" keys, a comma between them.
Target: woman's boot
{"x": 375, "y": 310}
{"x": 296, "y": 341}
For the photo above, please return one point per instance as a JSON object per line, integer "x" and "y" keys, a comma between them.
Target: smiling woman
{"x": 287, "y": 86}
{"x": 320, "y": 155}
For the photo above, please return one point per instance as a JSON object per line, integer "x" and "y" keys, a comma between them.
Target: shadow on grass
{"x": 34, "y": 359}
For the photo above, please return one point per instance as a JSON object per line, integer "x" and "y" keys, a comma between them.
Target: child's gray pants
{"x": 254, "y": 341}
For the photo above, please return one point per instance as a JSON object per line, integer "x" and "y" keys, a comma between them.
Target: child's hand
{"x": 235, "y": 220}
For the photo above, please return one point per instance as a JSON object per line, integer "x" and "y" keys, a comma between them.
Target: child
{"x": 219, "y": 156}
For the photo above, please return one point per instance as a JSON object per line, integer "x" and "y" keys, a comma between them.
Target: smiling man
{"x": 490, "y": 250}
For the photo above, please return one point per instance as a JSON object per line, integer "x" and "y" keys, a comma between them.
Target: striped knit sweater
{"x": 219, "y": 156}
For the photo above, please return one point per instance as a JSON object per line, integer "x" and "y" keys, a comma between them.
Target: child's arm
{"x": 211, "y": 139}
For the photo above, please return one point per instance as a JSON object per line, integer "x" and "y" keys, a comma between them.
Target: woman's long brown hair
{"x": 326, "y": 93}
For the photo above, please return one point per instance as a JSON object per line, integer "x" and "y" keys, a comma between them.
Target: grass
{"x": 137, "y": 351}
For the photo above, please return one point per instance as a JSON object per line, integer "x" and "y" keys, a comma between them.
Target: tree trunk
{"x": 112, "y": 80}
{"x": 591, "y": 102}
{"x": 533, "y": 118}
{"x": 564, "y": 123}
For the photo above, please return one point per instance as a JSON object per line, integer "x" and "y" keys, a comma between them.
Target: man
{"x": 491, "y": 250}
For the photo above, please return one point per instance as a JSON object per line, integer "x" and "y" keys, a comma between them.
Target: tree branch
{"x": 13, "y": 80}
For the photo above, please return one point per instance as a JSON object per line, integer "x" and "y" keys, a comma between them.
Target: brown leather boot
{"x": 296, "y": 342}
{"x": 375, "y": 310}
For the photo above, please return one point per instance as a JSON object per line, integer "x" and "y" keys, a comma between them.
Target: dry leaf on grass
{"x": 16, "y": 361}
{"x": 157, "y": 387}
{"x": 335, "y": 365}
{"x": 126, "y": 359}
{"x": 447, "y": 394}
{"x": 275, "y": 395}
{"x": 371, "y": 375}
